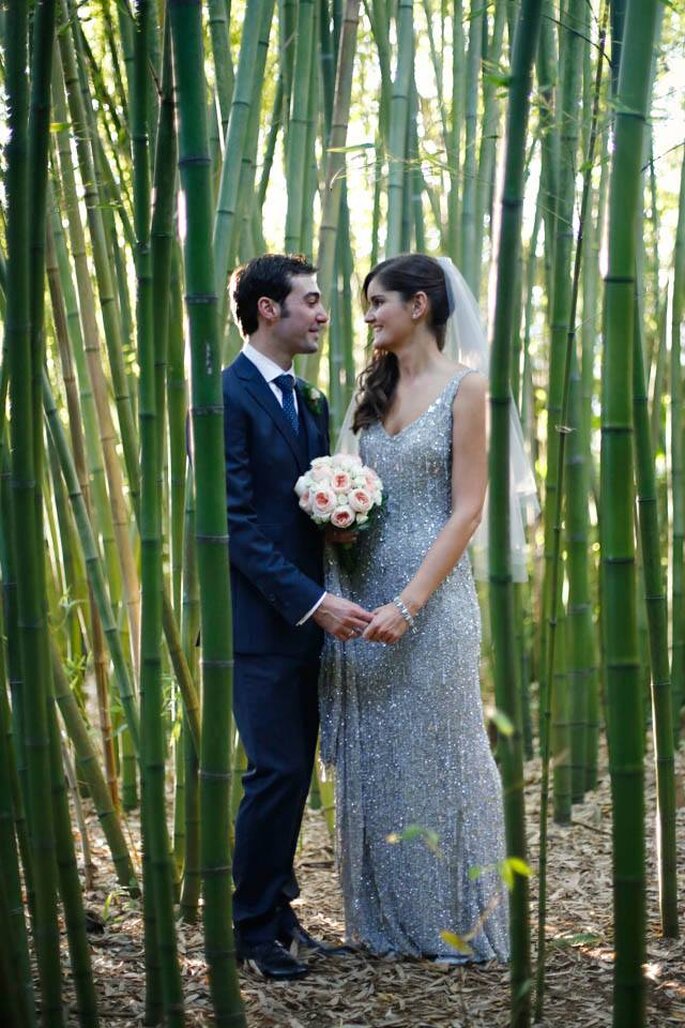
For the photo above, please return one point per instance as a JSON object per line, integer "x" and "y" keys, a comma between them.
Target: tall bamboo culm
{"x": 619, "y": 618}
{"x": 210, "y": 526}
{"x": 507, "y": 691}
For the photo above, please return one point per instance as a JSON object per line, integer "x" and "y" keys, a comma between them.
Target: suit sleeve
{"x": 281, "y": 583}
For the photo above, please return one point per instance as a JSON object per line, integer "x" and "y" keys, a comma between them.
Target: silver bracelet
{"x": 402, "y": 607}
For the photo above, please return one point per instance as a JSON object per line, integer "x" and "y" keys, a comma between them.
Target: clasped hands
{"x": 347, "y": 620}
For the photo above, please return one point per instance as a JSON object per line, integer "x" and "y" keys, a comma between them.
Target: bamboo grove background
{"x": 148, "y": 149}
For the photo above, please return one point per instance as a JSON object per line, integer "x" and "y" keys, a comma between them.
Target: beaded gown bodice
{"x": 403, "y": 724}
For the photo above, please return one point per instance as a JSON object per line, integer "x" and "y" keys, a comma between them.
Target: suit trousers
{"x": 276, "y": 709}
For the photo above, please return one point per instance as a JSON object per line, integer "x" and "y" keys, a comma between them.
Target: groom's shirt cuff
{"x": 313, "y": 610}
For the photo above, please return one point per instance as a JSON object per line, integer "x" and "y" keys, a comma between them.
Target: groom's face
{"x": 302, "y": 317}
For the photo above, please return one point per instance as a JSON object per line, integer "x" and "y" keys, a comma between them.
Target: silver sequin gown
{"x": 403, "y": 725}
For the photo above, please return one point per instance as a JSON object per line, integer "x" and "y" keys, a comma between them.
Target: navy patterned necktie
{"x": 286, "y": 383}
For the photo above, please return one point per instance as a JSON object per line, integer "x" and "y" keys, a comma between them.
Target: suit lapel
{"x": 261, "y": 392}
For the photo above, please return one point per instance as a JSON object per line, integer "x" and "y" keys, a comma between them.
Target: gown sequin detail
{"x": 403, "y": 725}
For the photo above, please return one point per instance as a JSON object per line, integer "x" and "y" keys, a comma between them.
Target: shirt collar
{"x": 268, "y": 368}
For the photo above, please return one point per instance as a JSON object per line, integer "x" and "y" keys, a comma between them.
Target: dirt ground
{"x": 360, "y": 992}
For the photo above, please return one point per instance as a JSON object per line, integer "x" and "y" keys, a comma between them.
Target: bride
{"x": 418, "y": 795}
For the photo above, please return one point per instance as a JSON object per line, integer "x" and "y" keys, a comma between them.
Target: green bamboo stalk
{"x": 10, "y": 1010}
{"x": 70, "y": 885}
{"x": 211, "y": 533}
{"x": 17, "y": 944}
{"x": 26, "y": 503}
{"x": 677, "y": 472}
{"x": 190, "y": 625}
{"x": 243, "y": 93}
{"x": 20, "y": 787}
{"x": 468, "y": 248}
{"x": 507, "y": 692}
{"x": 221, "y": 52}
{"x": 560, "y": 735}
{"x": 151, "y": 333}
{"x": 177, "y": 409}
{"x": 657, "y": 618}
{"x": 453, "y": 141}
{"x": 582, "y": 646}
{"x": 565, "y": 305}
{"x": 245, "y": 203}
{"x": 560, "y": 315}
{"x": 275, "y": 122}
{"x": 310, "y": 185}
{"x": 336, "y": 161}
{"x": 485, "y": 185}
{"x": 620, "y": 658}
{"x": 398, "y": 122}
{"x": 297, "y": 152}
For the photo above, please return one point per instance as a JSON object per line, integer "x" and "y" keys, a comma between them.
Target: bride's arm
{"x": 469, "y": 478}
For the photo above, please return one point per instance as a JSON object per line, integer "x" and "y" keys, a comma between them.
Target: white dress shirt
{"x": 269, "y": 371}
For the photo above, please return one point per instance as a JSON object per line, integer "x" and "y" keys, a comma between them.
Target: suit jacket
{"x": 276, "y": 551}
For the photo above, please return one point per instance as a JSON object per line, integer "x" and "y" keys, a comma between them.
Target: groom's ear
{"x": 268, "y": 309}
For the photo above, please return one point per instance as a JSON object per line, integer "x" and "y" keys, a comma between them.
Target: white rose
{"x": 306, "y": 501}
{"x": 321, "y": 462}
{"x": 301, "y": 485}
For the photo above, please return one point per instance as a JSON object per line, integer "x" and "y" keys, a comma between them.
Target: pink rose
{"x": 323, "y": 501}
{"x": 320, "y": 473}
{"x": 341, "y": 481}
{"x": 306, "y": 501}
{"x": 360, "y": 501}
{"x": 372, "y": 480}
{"x": 342, "y": 517}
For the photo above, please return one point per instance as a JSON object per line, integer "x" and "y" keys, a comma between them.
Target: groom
{"x": 273, "y": 427}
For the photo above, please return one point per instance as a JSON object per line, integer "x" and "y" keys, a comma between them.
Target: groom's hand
{"x": 341, "y": 617}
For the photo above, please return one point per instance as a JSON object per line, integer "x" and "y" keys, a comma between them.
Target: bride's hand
{"x": 386, "y": 626}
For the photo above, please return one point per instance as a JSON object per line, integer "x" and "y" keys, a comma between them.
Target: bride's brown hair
{"x": 408, "y": 274}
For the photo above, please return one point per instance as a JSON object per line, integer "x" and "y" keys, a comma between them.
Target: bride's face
{"x": 390, "y": 317}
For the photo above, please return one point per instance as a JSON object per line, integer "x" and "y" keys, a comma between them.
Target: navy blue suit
{"x": 276, "y": 557}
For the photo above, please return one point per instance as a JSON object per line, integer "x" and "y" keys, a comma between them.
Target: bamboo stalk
{"x": 657, "y": 619}
{"x": 211, "y": 529}
{"x": 507, "y": 692}
{"x": 620, "y": 658}
{"x": 398, "y": 122}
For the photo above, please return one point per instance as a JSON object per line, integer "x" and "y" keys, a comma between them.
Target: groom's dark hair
{"x": 269, "y": 275}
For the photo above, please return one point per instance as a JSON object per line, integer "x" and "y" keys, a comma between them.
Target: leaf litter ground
{"x": 360, "y": 992}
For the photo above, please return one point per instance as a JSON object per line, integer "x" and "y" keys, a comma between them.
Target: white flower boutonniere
{"x": 313, "y": 397}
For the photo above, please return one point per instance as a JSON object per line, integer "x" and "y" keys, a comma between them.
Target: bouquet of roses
{"x": 340, "y": 491}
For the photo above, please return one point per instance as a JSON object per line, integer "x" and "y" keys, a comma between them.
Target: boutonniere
{"x": 312, "y": 396}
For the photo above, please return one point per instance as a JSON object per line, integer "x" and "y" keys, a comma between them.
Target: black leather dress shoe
{"x": 271, "y": 960}
{"x": 296, "y": 940}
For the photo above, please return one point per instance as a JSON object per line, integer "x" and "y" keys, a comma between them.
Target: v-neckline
{"x": 396, "y": 435}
